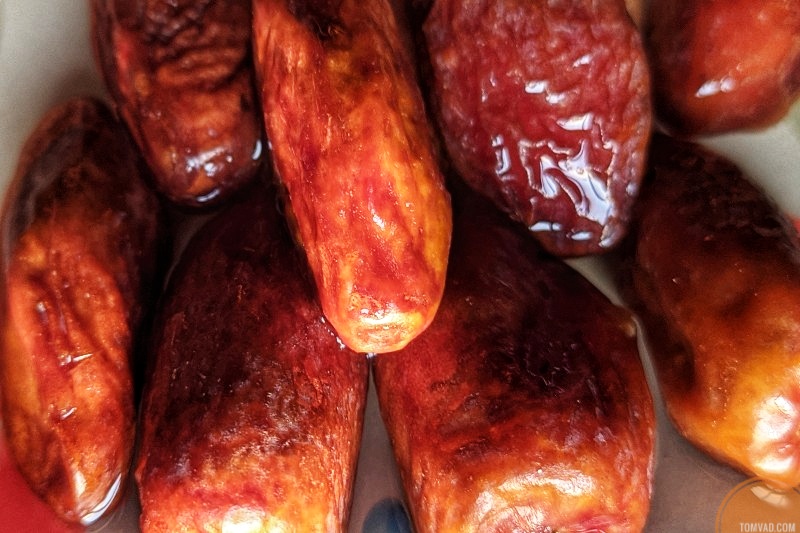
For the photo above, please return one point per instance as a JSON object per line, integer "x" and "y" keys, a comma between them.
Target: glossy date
{"x": 723, "y": 65}
{"x": 544, "y": 108}
{"x": 181, "y": 75}
{"x": 253, "y": 410}
{"x": 80, "y": 241}
{"x": 524, "y": 406}
{"x": 354, "y": 151}
{"x": 714, "y": 272}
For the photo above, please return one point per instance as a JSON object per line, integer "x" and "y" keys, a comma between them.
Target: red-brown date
{"x": 723, "y": 65}
{"x": 354, "y": 151}
{"x": 544, "y": 108}
{"x": 524, "y": 405}
{"x": 253, "y": 411}
{"x": 714, "y": 272}
{"x": 181, "y": 75}
{"x": 80, "y": 241}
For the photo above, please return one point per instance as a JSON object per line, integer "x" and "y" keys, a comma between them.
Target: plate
{"x": 46, "y": 58}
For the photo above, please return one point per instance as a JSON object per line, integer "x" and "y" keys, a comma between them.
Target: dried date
{"x": 181, "y": 75}
{"x": 723, "y": 65}
{"x": 713, "y": 269}
{"x": 544, "y": 108}
{"x": 524, "y": 406}
{"x": 253, "y": 411}
{"x": 354, "y": 151}
{"x": 80, "y": 248}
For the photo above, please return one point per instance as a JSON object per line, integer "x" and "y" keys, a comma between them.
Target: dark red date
{"x": 544, "y": 108}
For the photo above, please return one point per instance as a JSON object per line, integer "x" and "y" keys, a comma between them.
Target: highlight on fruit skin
{"x": 354, "y": 152}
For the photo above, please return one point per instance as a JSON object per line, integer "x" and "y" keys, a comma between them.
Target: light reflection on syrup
{"x": 67, "y": 360}
{"x": 552, "y": 170}
{"x": 715, "y": 87}
{"x": 209, "y": 161}
{"x": 100, "y": 510}
{"x": 776, "y": 436}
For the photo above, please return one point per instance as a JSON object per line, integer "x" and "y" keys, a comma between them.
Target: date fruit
{"x": 181, "y": 75}
{"x": 253, "y": 413}
{"x": 723, "y": 65}
{"x": 80, "y": 243}
{"x": 524, "y": 406}
{"x": 544, "y": 108}
{"x": 354, "y": 151}
{"x": 714, "y": 272}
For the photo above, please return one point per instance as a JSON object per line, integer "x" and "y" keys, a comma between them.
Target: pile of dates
{"x": 281, "y": 198}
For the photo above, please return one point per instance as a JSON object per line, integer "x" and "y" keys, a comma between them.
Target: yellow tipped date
{"x": 354, "y": 152}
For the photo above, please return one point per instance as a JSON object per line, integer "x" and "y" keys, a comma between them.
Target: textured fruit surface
{"x": 80, "y": 241}
{"x": 716, "y": 278}
{"x": 354, "y": 152}
{"x": 723, "y": 65}
{"x": 253, "y": 412}
{"x": 524, "y": 406}
{"x": 544, "y": 108}
{"x": 181, "y": 75}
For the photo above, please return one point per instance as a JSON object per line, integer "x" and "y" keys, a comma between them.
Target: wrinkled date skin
{"x": 181, "y": 75}
{"x": 253, "y": 413}
{"x": 715, "y": 275}
{"x": 723, "y": 65}
{"x": 524, "y": 406}
{"x": 545, "y": 108}
{"x": 355, "y": 154}
{"x": 80, "y": 242}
